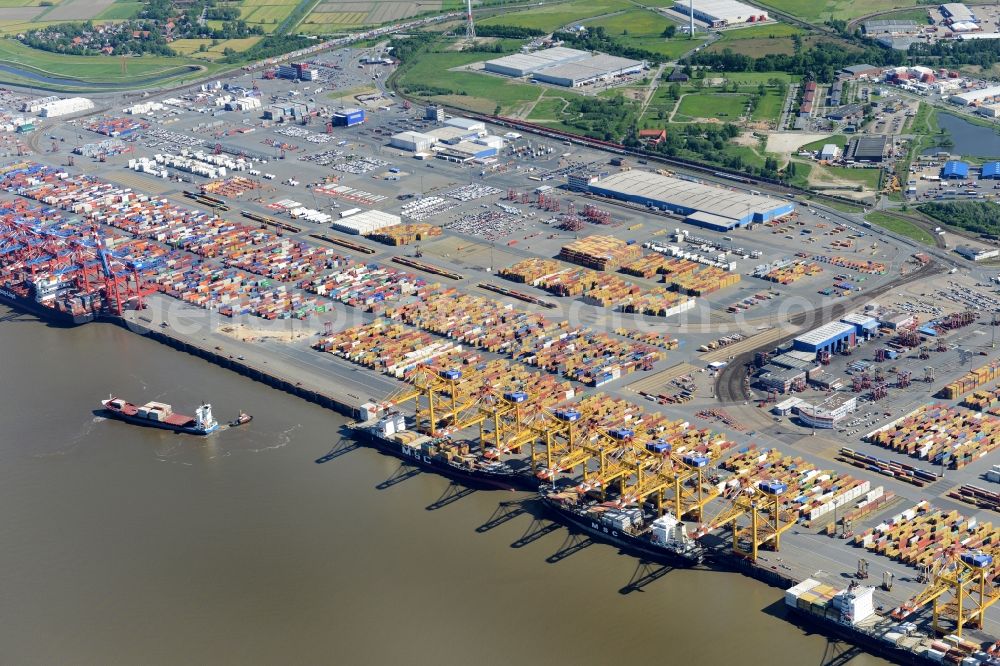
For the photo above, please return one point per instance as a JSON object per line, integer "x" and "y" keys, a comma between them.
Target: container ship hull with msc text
{"x": 663, "y": 539}
{"x": 442, "y": 455}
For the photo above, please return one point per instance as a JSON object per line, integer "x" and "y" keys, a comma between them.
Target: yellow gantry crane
{"x": 756, "y": 518}
{"x": 970, "y": 578}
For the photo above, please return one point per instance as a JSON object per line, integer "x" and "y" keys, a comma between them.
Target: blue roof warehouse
{"x": 955, "y": 170}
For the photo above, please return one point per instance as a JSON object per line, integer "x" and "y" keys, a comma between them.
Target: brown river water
{"x": 127, "y": 545}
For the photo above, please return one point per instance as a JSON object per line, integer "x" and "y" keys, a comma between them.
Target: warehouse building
{"x": 977, "y": 253}
{"x": 882, "y": 27}
{"x": 867, "y": 149}
{"x": 974, "y": 97}
{"x": 828, "y": 413}
{"x": 523, "y": 64}
{"x": 468, "y": 124}
{"x": 349, "y": 117}
{"x": 64, "y": 107}
{"x": 415, "y": 142}
{"x": 865, "y": 326}
{"x": 955, "y": 170}
{"x": 781, "y": 380}
{"x": 704, "y": 205}
{"x": 596, "y": 68}
{"x": 720, "y": 13}
{"x": 833, "y": 337}
{"x": 894, "y": 319}
{"x": 957, "y": 12}
{"x": 366, "y": 222}
{"x": 990, "y": 171}
{"x": 465, "y": 151}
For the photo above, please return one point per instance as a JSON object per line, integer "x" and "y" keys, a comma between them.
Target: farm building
{"x": 955, "y": 170}
{"x": 704, "y": 205}
{"x": 720, "y": 13}
{"x": 832, "y": 337}
{"x": 523, "y": 64}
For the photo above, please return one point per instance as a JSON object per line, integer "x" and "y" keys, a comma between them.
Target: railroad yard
{"x": 233, "y": 230}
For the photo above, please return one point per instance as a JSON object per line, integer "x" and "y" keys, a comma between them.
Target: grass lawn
{"x": 642, "y": 28}
{"x": 552, "y": 16}
{"x": 769, "y": 107}
{"x": 837, "y": 205}
{"x": 817, "y": 11}
{"x": 753, "y": 78}
{"x": 470, "y": 90}
{"x": 869, "y": 178}
{"x": 765, "y": 31}
{"x": 755, "y": 47}
{"x": 801, "y": 177}
{"x": 925, "y": 122}
{"x": 548, "y": 108}
{"x": 901, "y": 226}
{"x": 88, "y": 69}
{"x": 838, "y": 139}
{"x": 728, "y": 107}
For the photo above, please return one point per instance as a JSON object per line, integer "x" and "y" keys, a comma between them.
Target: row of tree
{"x": 981, "y": 217}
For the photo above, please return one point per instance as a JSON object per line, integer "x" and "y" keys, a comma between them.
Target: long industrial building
{"x": 565, "y": 67}
{"x": 600, "y": 67}
{"x": 523, "y": 64}
{"x": 704, "y": 205}
{"x": 974, "y": 97}
{"x": 721, "y": 13}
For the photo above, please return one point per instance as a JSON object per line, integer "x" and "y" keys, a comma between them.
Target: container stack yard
{"x": 603, "y": 253}
{"x": 601, "y": 368}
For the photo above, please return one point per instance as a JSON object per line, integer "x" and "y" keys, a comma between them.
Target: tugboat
{"x": 631, "y": 529}
{"x": 242, "y": 419}
{"x": 162, "y": 415}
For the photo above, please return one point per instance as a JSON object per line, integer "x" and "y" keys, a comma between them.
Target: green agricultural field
{"x": 92, "y": 71}
{"x": 120, "y": 10}
{"x": 727, "y": 107}
{"x": 837, "y": 139}
{"x": 901, "y": 226}
{"x": 818, "y": 11}
{"x": 553, "y": 16}
{"x": 189, "y": 47}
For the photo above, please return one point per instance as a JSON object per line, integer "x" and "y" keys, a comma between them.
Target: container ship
{"x": 162, "y": 415}
{"x": 663, "y": 539}
{"x": 55, "y": 302}
{"x": 439, "y": 454}
{"x": 850, "y": 613}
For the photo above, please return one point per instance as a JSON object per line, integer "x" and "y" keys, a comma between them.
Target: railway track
{"x": 730, "y": 385}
